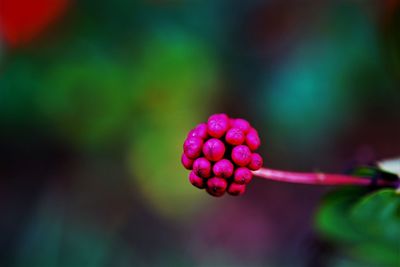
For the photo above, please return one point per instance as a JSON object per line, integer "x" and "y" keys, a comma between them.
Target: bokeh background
{"x": 96, "y": 98}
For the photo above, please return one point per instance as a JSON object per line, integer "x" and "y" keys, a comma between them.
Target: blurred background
{"x": 96, "y": 98}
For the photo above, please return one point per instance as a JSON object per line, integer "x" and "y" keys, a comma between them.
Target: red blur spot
{"x": 23, "y": 20}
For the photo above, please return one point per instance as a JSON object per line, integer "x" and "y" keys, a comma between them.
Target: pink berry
{"x": 186, "y": 162}
{"x": 223, "y": 116}
{"x": 214, "y": 149}
{"x": 242, "y": 175}
{"x": 231, "y": 122}
{"x": 241, "y": 155}
{"x": 235, "y": 136}
{"x": 256, "y": 162}
{"x": 199, "y": 131}
{"x": 252, "y": 140}
{"x": 216, "y": 186}
{"x": 196, "y": 180}
{"x": 252, "y": 130}
{"x": 235, "y": 189}
{"x": 242, "y": 125}
{"x": 192, "y": 147}
{"x": 217, "y": 125}
{"x": 223, "y": 168}
{"x": 202, "y": 167}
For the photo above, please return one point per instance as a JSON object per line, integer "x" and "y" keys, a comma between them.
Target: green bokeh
{"x": 177, "y": 76}
{"x": 363, "y": 226}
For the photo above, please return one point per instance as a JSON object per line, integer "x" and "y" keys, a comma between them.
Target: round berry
{"x": 231, "y": 122}
{"x": 253, "y": 130}
{"x": 196, "y": 180}
{"x": 252, "y": 140}
{"x": 192, "y": 147}
{"x": 241, "y": 155}
{"x": 222, "y": 115}
{"x": 199, "y": 131}
{"x": 186, "y": 162}
{"x": 223, "y": 168}
{"x": 202, "y": 167}
{"x": 242, "y": 125}
{"x": 216, "y": 186}
{"x": 242, "y": 175}
{"x": 217, "y": 125}
{"x": 213, "y": 149}
{"x": 256, "y": 162}
{"x": 235, "y": 189}
{"x": 235, "y": 136}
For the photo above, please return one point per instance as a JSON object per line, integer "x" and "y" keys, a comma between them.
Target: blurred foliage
{"x": 108, "y": 87}
{"x": 306, "y": 89}
{"x": 364, "y": 226}
{"x": 89, "y": 99}
{"x": 19, "y": 84}
{"x": 95, "y": 99}
{"x": 177, "y": 77}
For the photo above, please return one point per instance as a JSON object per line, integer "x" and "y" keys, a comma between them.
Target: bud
{"x": 199, "y": 131}
{"x": 202, "y": 167}
{"x": 241, "y": 124}
{"x": 217, "y": 125}
{"x": 216, "y": 186}
{"x": 214, "y": 149}
{"x": 242, "y": 175}
{"x": 223, "y": 168}
{"x": 235, "y": 189}
{"x": 196, "y": 180}
{"x": 256, "y": 162}
{"x": 192, "y": 147}
{"x": 235, "y": 136}
{"x": 241, "y": 155}
{"x": 252, "y": 140}
{"x": 186, "y": 162}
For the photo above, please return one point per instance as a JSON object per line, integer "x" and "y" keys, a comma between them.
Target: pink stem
{"x": 318, "y": 178}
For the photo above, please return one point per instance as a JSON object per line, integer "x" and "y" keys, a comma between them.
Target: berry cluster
{"x": 221, "y": 155}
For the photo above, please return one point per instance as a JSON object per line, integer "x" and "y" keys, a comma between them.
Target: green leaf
{"x": 364, "y": 226}
{"x": 332, "y": 218}
{"x": 378, "y": 216}
{"x": 376, "y": 254}
{"x": 365, "y": 171}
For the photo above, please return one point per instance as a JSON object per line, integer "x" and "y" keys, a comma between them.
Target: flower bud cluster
{"x": 221, "y": 155}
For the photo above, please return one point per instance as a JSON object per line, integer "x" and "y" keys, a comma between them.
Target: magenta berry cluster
{"x": 221, "y": 155}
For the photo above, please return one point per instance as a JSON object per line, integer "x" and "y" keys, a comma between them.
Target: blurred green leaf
{"x": 87, "y": 100}
{"x": 364, "y": 226}
{"x": 374, "y": 172}
{"x": 376, "y": 254}
{"x": 365, "y": 171}
{"x": 378, "y": 216}
{"x": 18, "y": 84}
{"x": 332, "y": 218}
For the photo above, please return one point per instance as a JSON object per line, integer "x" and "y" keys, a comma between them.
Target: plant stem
{"x": 319, "y": 178}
